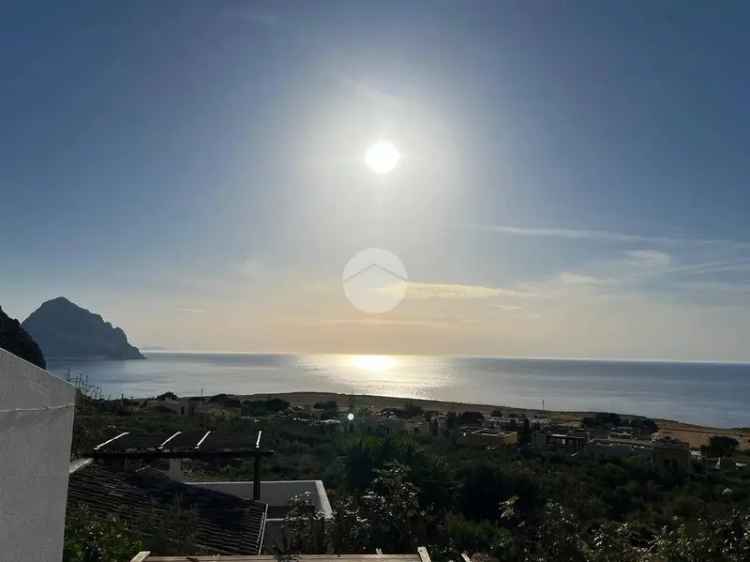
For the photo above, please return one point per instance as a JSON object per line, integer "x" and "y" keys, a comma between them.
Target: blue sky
{"x": 573, "y": 182}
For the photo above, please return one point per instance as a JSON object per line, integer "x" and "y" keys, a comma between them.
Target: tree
{"x": 263, "y": 407}
{"x": 326, "y": 405}
{"x": 412, "y": 410}
{"x": 387, "y": 516}
{"x": 722, "y": 446}
{"x": 392, "y": 508}
{"x": 706, "y": 540}
{"x": 525, "y": 436}
{"x": 471, "y": 418}
{"x": 303, "y": 530}
{"x": 479, "y": 536}
{"x": 486, "y": 485}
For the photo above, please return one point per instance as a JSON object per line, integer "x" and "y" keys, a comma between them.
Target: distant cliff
{"x": 64, "y": 329}
{"x": 14, "y": 338}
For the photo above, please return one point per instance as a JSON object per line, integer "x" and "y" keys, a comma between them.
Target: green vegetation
{"x": 263, "y": 407}
{"x": 396, "y": 489}
{"x": 96, "y": 539}
{"x": 721, "y": 446}
{"x": 91, "y": 538}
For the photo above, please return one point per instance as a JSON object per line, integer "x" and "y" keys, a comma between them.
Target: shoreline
{"x": 570, "y": 386}
{"x": 695, "y": 435}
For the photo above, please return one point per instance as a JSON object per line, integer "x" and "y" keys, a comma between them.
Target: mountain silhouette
{"x": 65, "y": 330}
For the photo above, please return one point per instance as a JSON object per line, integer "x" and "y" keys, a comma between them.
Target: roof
{"x": 566, "y": 436}
{"x": 146, "y": 557}
{"x": 223, "y": 524}
{"x": 632, "y": 443}
{"x": 493, "y": 432}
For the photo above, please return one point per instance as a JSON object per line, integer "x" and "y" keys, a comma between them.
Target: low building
{"x": 668, "y": 455}
{"x": 181, "y": 406}
{"x": 549, "y": 440}
{"x": 621, "y": 435}
{"x": 488, "y": 438}
{"x": 619, "y": 448}
{"x": 671, "y": 455}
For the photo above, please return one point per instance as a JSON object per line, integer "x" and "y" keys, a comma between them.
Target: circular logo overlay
{"x": 375, "y": 281}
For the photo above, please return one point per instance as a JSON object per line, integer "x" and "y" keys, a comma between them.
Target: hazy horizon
{"x": 572, "y": 181}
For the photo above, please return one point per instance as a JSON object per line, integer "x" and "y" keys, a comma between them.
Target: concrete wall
{"x": 36, "y": 428}
{"x": 275, "y": 493}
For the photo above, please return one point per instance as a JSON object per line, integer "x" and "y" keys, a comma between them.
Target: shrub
{"x": 471, "y": 418}
{"x": 90, "y": 538}
{"x": 326, "y": 405}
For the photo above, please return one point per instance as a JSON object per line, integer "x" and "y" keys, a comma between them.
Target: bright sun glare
{"x": 373, "y": 363}
{"x": 382, "y": 157}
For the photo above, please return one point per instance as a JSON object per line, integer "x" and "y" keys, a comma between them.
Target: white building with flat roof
{"x": 36, "y": 428}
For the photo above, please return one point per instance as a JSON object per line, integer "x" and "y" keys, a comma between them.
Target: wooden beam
{"x": 198, "y": 445}
{"x": 141, "y": 556}
{"x": 179, "y": 454}
{"x": 256, "y": 480}
{"x": 424, "y": 556}
{"x": 108, "y": 441}
{"x": 168, "y": 439}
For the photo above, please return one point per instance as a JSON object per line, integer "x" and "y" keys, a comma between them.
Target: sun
{"x": 382, "y": 157}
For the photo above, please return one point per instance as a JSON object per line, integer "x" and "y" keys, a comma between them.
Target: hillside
{"x": 65, "y": 330}
{"x": 15, "y": 339}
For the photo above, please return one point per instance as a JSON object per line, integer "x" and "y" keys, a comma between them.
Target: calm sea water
{"x": 702, "y": 393}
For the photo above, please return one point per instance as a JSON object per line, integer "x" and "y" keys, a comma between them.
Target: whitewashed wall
{"x": 36, "y": 427}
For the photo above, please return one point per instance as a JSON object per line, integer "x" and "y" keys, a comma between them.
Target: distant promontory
{"x": 65, "y": 330}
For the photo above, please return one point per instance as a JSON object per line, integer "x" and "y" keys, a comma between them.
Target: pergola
{"x": 190, "y": 444}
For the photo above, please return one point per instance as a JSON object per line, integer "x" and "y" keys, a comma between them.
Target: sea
{"x": 713, "y": 394}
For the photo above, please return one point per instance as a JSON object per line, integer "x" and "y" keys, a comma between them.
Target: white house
{"x": 36, "y": 427}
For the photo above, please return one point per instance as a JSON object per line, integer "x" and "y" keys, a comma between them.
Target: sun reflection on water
{"x": 374, "y": 363}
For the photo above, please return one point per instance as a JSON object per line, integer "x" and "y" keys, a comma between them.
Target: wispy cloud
{"x": 602, "y": 235}
{"x": 648, "y": 258}
{"x": 441, "y": 322}
{"x": 507, "y": 307}
{"x": 713, "y": 267}
{"x": 425, "y": 291}
{"x": 569, "y": 278}
{"x": 713, "y": 287}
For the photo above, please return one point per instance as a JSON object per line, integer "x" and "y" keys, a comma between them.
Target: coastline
{"x": 695, "y": 435}
{"x": 703, "y": 395}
